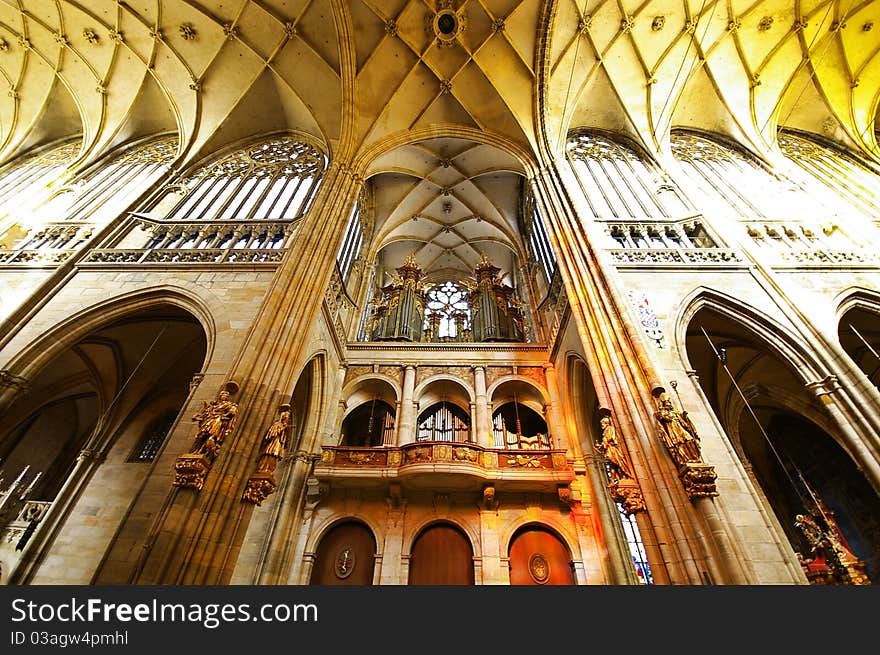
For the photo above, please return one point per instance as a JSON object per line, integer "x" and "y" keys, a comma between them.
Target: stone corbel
{"x": 315, "y": 492}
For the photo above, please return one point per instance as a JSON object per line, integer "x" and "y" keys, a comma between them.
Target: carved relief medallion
{"x": 344, "y": 564}
{"x": 539, "y": 568}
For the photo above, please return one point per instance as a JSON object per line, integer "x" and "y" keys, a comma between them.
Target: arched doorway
{"x": 539, "y": 557}
{"x": 345, "y": 556}
{"x": 85, "y": 432}
{"x": 441, "y": 555}
{"x": 788, "y": 441}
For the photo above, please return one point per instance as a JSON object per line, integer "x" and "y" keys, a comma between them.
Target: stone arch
{"x": 545, "y": 522}
{"x": 35, "y": 355}
{"x": 385, "y": 384}
{"x": 780, "y": 339}
{"x": 330, "y": 522}
{"x": 541, "y": 391}
{"x": 419, "y": 395}
{"x": 472, "y": 533}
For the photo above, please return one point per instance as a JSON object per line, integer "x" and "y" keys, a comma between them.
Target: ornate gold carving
{"x": 328, "y": 456}
{"x": 465, "y": 454}
{"x": 525, "y": 461}
{"x": 539, "y": 568}
{"x": 420, "y": 454}
{"x": 677, "y": 431}
{"x": 559, "y": 461}
{"x": 394, "y": 458}
{"x": 361, "y": 457}
{"x": 442, "y": 452}
{"x": 619, "y": 467}
{"x": 490, "y": 460}
{"x": 190, "y": 471}
{"x": 259, "y": 487}
{"x": 344, "y": 563}
{"x": 629, "y": 495}
{"x": 832, "y": 561}
{"x": 698, "y": 480}
{"x": 262, "y": 483}
{"x": 216, "y": 421}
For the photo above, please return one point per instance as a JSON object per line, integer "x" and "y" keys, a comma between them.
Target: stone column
{"x": 482, "y": 424}
{"x": 558, "y": 435}
{"x": 491, "y": 550}
{"x": 197, "y": 536}
{"x": 406, "y": 427}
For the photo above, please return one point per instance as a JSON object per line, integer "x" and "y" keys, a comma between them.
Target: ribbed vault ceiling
{"x": 360, "y": 73}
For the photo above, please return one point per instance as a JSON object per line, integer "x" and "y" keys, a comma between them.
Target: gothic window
{"x": 447, "y": 311}
{"x": 115, "y": 182}
{"x": 636, "y": 546}
{"x": 351, "y": 243}
{"x": 538, "y": 240}
{"x": 839, "y": 179}
{"x": 731, "y": 183}
{"x": 369, "y": 424}
{"x": 620, "y": 183}
{"x": 152, "y": 439}
{"x": 444, "y": 421}
{"x": 274, "y": 179}
{"x": 516, "y": 426}
{"x": 31, "y": 180}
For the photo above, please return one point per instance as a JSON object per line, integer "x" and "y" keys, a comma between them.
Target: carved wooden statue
{"x": 678, "y": 433}
{"x": 611, "y": 448}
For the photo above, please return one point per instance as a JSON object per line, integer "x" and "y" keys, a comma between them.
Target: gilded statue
{"x": 611, "y": 448}
{"x": 678, "y": 433}
{"x": 216, "y": 421}
{"x": 275, "y": 442}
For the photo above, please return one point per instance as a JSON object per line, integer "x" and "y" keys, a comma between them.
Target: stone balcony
{"x": 447, "y": 466}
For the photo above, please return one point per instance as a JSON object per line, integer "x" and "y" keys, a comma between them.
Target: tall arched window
{"x": 842, "y": 182}
{"x": 274, "y": 179}
{"x": 116, "y": 181}
{"x": 618, "y": 182}
{"x": 31, "y": 180}
{"x": 731, "y": 183}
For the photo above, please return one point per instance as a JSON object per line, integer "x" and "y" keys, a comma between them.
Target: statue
{"x": 610, "y": 447}
{"x": 262, "y": 483}
{"x": 275, "y": 442}
{"x": 678, "y": 433}
{"x": 216, "y": 421}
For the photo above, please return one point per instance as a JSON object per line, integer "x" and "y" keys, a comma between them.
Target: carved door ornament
{"x": 345, "y": 562}
{"x": 539, "y": 568}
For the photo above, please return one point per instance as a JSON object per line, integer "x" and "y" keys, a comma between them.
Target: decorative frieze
{"x": 270, "y": 257}
{"x": 700, "y": 257}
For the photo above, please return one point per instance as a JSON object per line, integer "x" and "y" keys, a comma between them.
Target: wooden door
{"x": 441, "y": 555}
{"x": 538, "y": 557}
{"x": 346, "y": 556}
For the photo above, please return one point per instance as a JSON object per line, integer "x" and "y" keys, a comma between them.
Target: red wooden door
{"x": 539, "y": 557}
{"x": 346, "y": 556}
{"x": 441, "y": 555}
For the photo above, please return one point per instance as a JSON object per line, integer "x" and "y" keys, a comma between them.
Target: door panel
{"x": 539, "y": 557}
{"x": 441, "y": 555}
{"x": 345, "y": 556}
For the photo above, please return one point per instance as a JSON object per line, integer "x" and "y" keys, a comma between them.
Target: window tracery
{"x": 275, "y": 179}
{"x": 619, "y": 183}
{"x": 844, "y": 184}
{"x": 447, "y": 311}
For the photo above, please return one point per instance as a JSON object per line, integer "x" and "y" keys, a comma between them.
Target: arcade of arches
{"x": 532, "y": 294}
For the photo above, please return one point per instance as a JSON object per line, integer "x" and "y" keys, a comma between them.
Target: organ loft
{"x": 441, "y": 292}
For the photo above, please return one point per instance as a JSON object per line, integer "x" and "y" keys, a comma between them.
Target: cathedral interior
{"x": 444, "y": 292}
